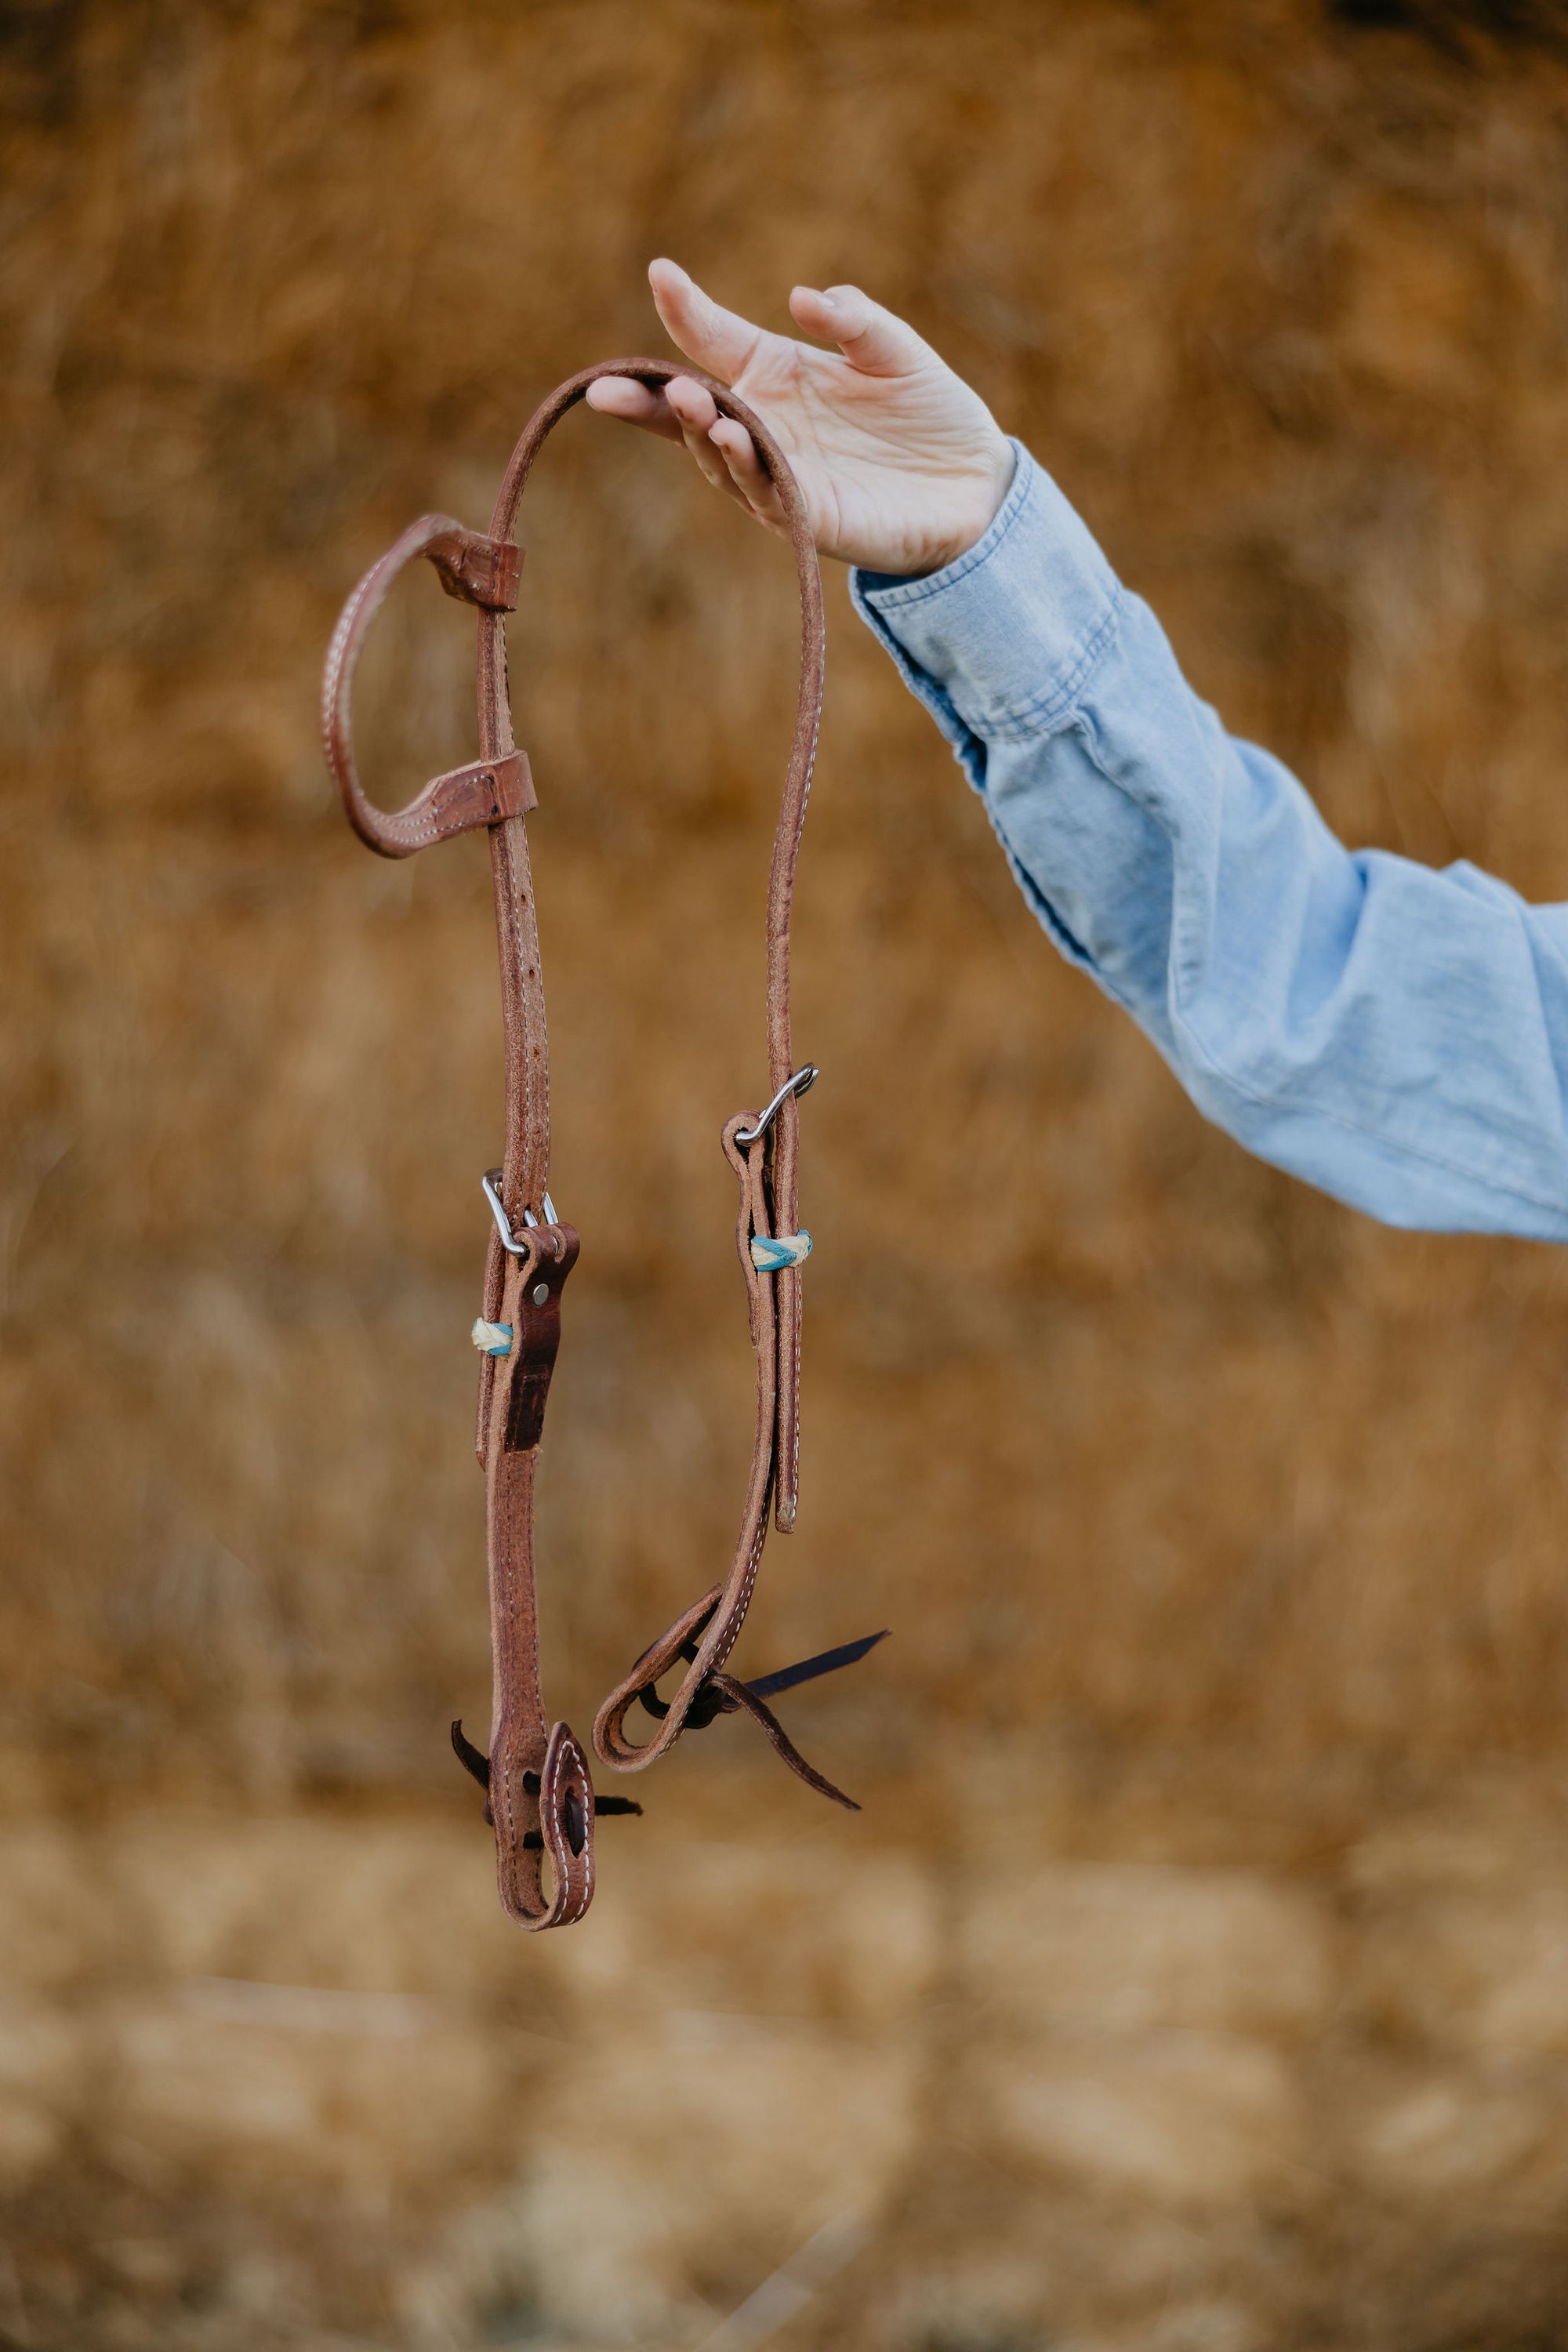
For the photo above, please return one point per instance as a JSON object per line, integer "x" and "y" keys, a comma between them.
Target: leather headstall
{"x": 539, "y": 1795}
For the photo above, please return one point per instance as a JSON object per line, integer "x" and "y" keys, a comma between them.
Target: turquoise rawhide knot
{"x": 491, "y": 1339}
{"x": 787, "y": 1249}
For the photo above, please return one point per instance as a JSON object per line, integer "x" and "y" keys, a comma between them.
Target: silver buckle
{"x": 803, "y": 1078}
{"x": 489, "y": 1185}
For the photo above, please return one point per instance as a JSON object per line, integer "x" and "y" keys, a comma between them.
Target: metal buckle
{"x": 803, "y": 1078}
{"x": 489, "y": 1185}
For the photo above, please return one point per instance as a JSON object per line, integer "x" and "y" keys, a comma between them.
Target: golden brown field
{"x": 1196, "y": 1977}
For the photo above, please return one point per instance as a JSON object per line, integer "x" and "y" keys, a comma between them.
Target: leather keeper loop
{"x": 477, "y": 570}
{"x": 483, "y": 793}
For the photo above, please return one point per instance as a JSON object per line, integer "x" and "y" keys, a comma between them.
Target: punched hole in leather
{"x": 477, "y": 1764}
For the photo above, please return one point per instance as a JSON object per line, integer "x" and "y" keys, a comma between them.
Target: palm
{"x": 891, "y": 468}
{"x": 902, "y": 465}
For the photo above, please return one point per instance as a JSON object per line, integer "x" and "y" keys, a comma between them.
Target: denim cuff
{"x": 1003, "y": 639}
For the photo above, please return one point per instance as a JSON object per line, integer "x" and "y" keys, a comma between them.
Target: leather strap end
{"x": 736, "y": 1695}
{"x": 531, "y": 1304}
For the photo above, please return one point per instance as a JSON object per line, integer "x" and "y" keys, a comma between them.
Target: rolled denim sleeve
{"x": 1394, "y": 1035}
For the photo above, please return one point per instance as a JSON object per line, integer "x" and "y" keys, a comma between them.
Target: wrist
{"x": 1005, "y": 638}
{"x": 990, "y": 499}
{"x": 916, "y": 553}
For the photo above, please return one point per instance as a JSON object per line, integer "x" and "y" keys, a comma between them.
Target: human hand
{"x": 902, "y": 465}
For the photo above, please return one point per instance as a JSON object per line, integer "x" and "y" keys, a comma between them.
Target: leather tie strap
{"x": 539, "y": 1790}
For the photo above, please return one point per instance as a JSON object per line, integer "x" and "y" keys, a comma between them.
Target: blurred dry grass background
{"x": 1197, "y": 1978}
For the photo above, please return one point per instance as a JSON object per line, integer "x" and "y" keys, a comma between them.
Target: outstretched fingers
{"x": 717, "y": 341}
{"x": 721, "y": 343}
{"x": 874, "y": 341}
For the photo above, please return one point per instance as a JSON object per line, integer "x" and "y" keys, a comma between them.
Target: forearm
{"x": 1392, "y": 1034}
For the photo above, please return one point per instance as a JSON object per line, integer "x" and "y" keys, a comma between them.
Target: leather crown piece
{"x": 539, "y": 1790}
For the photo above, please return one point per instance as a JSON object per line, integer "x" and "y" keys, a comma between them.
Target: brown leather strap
{"x": 783, "y": 1145}
{"x": 478, "y": 571}
{"x": 539, "y": 1794}
{"x": 721, "y": 1612}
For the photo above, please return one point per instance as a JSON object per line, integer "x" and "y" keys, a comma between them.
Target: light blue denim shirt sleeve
{"x": 1396, "y": 1036}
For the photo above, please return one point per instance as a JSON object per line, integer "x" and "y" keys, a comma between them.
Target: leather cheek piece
{"x": 477, "y": 570}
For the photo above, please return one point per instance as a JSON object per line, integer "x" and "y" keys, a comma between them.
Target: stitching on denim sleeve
{"x": 918, "y": 681}
{"x": 1009, "y": 722}
{"x": 1016, "y": 723}
{"x": 1019, "y": 722}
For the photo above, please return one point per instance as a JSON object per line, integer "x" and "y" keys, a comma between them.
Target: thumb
{"x": 873, "y": 340}
{"x": 719, "y": 342}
